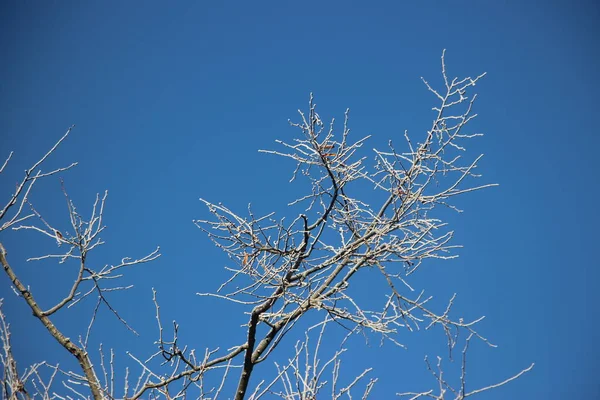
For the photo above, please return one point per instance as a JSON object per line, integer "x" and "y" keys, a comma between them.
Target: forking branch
{"x": 78, "y": 244}
{"x": 284, "y": 269}
{"x": 460, "y": 392}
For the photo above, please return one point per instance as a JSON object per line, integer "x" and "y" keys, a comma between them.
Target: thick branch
{"x": 81, "y": 355}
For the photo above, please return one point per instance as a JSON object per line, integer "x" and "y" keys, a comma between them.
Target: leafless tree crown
{"x": 381, "y": 212}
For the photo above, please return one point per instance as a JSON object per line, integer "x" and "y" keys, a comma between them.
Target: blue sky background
{"x": 172, "y": 101}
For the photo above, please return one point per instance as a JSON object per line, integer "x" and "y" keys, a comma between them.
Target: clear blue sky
{"x": 172, "y": 102}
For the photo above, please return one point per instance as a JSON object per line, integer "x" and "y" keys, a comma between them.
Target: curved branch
{"x": 81, "y": 355}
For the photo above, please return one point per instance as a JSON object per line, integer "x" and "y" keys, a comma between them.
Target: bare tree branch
{"x": 285, "y": 268}
{"x": 445, "y": 388}
{"x": 381, "y": 214}
{"x": 24, "y": 187}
